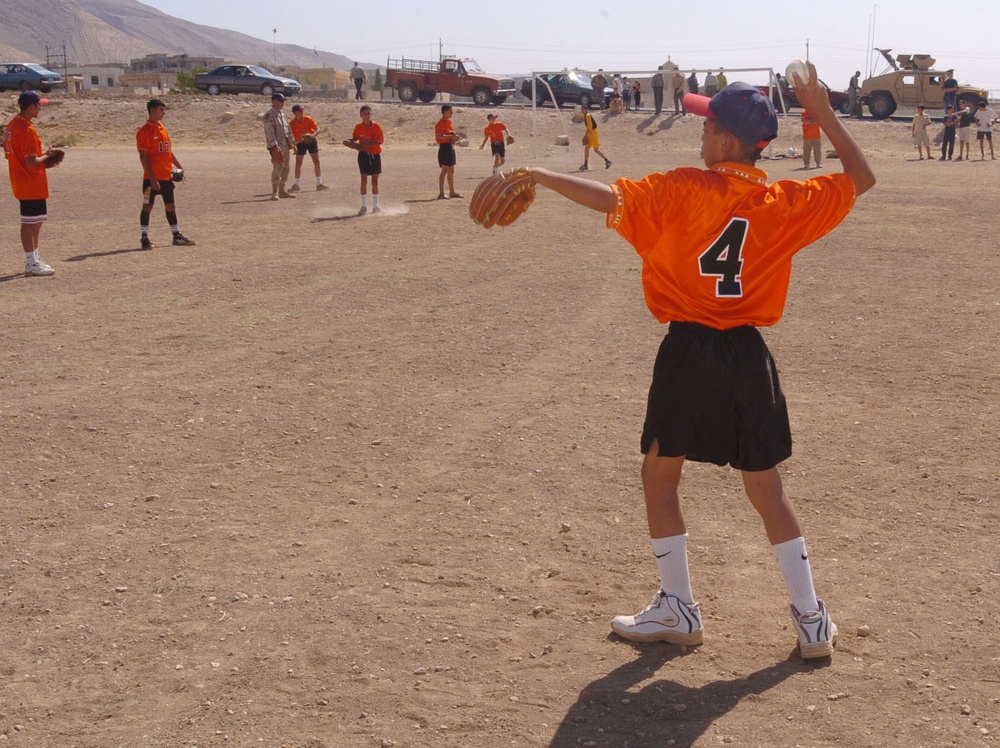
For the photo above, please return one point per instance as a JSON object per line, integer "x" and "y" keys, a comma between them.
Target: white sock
{"x": 375, "y": 200}
{"x": 793, "y": 561}
{"x": 364, "y": 201}
{"x": 672, "y": 563}
{"x": 31, "y": 258}
{"x": 319, "y": 181}
{"x": 297, "y": 183}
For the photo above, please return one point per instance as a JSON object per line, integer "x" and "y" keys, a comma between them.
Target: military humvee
{"x": 910, "y": 81}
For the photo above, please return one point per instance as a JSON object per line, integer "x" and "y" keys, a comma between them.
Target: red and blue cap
{"x": 741, "y": 109}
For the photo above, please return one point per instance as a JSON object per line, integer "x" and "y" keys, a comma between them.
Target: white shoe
{"x": 666, "y": 619}
{"x": 362, "y": 211}
{"x": 817, "y": 633}
{"x": 37, "y": 268}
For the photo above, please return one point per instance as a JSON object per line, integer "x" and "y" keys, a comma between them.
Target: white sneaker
{"x": 817, "y": 633}
{"x": 666, "y": 619}
{"x": 37, "y": 268}
{"x": 362, "y": 211}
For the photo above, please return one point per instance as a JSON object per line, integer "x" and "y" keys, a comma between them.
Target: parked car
{"x": 244, "y": 79}
{"x": 27, "y": 76}
{"x": 839, "y": 100}
{"x": 568, "y": 88}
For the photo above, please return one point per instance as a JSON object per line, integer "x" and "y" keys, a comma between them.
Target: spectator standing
{"x": 597, "y": 84}
{"x": 692, "y": 83}
{"x": 854, "y": 93}
{"x": 657, "y": 86}
{"x": 636, "y": 95}
{"x": 720, "y": 80}
{"x": 985, "y": 117}
{"x": 678, "y": 85}
{"x": 711, "y": 84}
{"x": 964, "y": 134}
{"x": 950, "y": 89}
{"x": 919, "y": 130}
{"x": 359, "y": 77}
{"x": 950, "y": 122}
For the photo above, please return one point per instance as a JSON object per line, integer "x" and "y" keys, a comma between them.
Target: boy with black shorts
{"x": 26, "y": 163}
{"x": 367, "y": 140}
{"x": 446, "y": 137}
{"x": 716, "y": 247}
{"x": 159, "y": 167}
{"x": 304, "y": 131}
{"x": 495, "y": 132}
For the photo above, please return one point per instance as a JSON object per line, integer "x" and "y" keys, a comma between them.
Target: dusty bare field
{"x": 325, "y": 481}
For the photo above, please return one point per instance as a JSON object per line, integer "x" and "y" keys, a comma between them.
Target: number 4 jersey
{"x": 717, "y": 244}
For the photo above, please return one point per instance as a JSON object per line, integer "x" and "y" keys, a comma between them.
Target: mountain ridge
{"x": 116, "y": 31}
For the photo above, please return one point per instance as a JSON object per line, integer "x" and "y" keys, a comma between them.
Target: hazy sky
{"x": 516, "y": 36}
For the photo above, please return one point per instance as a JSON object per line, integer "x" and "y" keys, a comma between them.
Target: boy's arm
{"x": 586, "y": 192}
{"x": 813, "y": 96}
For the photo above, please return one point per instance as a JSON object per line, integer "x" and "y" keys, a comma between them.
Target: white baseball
{"x": 797, "y": 67}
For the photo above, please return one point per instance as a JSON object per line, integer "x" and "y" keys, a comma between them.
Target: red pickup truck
{"x": 424, "y": 79}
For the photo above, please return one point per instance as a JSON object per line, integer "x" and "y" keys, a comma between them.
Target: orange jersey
{"x": 810, "y": 131}
{"x": 717, "y": 244}
{"x": 300, "y": 127}
{"x": 495, "y": 131}
{"x": 152, "y": 139}
{"x": 20, "y": 141}
{"x": 371, "y": 132}
{"x": 442, "y": 130}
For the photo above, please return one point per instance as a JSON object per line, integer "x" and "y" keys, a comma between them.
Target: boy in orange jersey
{"x": 446, "y": 137}
{"x": 304, "y": 132}
{"x": 812, "y": 139}
{"x": 27, "y": 163}
{"x": 716, "y": 247}
{"x": 158, "y": 161}
{"x": 367, "y": 140}
{"x": 495, "y": 132}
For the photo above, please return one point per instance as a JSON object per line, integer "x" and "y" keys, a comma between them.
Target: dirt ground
{"x": 326, "y": 481}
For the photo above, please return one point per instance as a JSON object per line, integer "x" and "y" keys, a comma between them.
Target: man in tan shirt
{"x": 278, "y": 135}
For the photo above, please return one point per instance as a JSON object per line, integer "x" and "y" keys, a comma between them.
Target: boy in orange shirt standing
{"x": 495, "y": 132}
{"x": 304, "y": 131}
{"x": 367, "y": 140}
{"x": 446, "y": 137}
{"x": 811, "y": 140}
{"x": 27, "y": 163}
{"x": 716, "y": 246}
{"x": 156, "y": 154}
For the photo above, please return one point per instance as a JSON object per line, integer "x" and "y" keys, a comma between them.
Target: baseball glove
{"x": 501, "y": 199}
{"x": 177, "y": 175}
{"x": 54, "y": 158}
{"x": 510, "y": 140}
{"x": 352, "y": 144}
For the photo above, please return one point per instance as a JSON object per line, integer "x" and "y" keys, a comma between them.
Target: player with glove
{"x": 498, "y": 136}
{"x": 304, "y": 131}
{"x": 27, "y": 163}
{"x": 716, "y": 248}
{"x": 159, "y": 166}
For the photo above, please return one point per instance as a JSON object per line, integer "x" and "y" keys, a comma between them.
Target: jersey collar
{"x": 742, "y": 171}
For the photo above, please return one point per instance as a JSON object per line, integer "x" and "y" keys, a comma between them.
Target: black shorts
{"x": 716, "y": 398}
{"x": 34, "y": 211}
{"x": 166, "y": 189}
{"x": 446, "y": 154}
{"x": 369, "y": 164}
{"x": 984, "y": 135}
{"x": 498, "y": 148}
{"x": 306, "y": 146}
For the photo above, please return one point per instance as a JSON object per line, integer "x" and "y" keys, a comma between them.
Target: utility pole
{"x": 274, "y": 45}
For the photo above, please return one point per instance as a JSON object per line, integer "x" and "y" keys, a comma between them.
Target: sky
{"x": 518, "y": 37}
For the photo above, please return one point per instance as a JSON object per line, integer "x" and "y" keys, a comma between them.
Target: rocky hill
{"x": 115, "y": 31}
